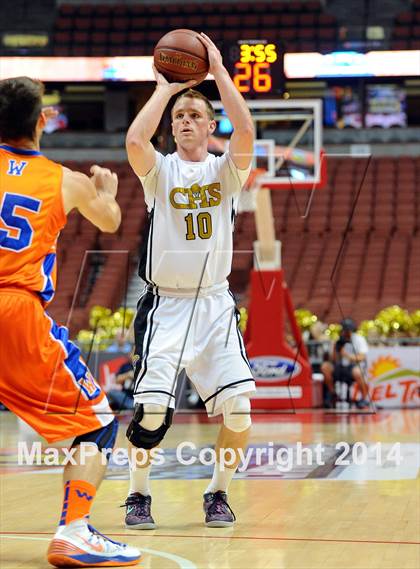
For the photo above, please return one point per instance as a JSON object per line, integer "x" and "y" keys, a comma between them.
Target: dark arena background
{"x": 327, "y": 233}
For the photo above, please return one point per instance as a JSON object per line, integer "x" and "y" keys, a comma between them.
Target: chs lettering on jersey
{"x": 198, "y": 196}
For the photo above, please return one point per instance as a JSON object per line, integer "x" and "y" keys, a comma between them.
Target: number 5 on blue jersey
{"x": 15, "y": 221}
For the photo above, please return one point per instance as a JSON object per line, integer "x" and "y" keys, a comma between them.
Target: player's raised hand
{"x": 104, "y": 180}
{"x": 215, "y": 57}
{"x": 173, "y": 87}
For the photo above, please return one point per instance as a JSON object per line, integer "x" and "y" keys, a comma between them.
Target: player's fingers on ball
{"x": 207, "y": 39}
{"x": 94, "y": 169}
{"x": 158, "y": 76}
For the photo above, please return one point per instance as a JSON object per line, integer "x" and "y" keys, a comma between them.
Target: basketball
{"x": 180, "y": 55}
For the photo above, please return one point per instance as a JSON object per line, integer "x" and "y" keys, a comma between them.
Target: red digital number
{"x": 242, "y": 77}
{"x": 261, "y": 82}
{"x": 246, "y": 72}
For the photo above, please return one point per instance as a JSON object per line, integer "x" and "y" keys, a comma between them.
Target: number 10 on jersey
{"x": 201, "y": 226}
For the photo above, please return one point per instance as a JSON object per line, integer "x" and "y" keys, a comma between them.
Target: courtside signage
{"x": 274, "y": 368}
{"x": 394, "y": 376}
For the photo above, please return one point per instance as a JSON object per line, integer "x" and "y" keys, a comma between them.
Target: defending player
{"x": 186, "y": 316}
{"x": 43, "y": 379}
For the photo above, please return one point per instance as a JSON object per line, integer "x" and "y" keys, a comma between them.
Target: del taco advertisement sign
{"x": 393, "y": 376}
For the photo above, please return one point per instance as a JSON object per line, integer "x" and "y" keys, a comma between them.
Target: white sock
{"x": 139, "y": 480}
{"x": 220, "y": 479}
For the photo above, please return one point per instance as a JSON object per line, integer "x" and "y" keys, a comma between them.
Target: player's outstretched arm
{"x": 141, "y": 153}
{"x": 94, "y": 197}
{"x": 241, "y": 144}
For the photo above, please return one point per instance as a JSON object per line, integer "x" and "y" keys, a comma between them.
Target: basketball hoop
{"x": 248, "y": 197}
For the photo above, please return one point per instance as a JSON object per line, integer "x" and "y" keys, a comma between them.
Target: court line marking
{"x": 274, "y": 538}
{"x": 321, "y": 539}
{"x": 180, "y": 561}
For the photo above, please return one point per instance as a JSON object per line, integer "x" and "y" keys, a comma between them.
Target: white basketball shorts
{"x": 200, "y": 335}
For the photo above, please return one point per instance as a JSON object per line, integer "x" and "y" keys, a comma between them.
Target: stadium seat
{"x": 402, "y": 32}
{"x": 404, "y": 18}
{"x": 68, "y": 9}
{"x": 238, "y": 20}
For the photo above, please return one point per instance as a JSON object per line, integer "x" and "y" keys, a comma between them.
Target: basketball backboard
{"x": 288, "y": 141}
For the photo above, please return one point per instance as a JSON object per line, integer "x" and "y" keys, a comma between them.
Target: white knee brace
{"x": 237, "y": 413}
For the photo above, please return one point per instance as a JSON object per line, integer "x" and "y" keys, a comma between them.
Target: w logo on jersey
{"x": 16, "y": 168}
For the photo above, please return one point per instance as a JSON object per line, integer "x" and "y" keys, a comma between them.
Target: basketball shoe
{"x": 80, "y": 545}
{"x": 138, "y": 514}
{"x": 217, "y": 510}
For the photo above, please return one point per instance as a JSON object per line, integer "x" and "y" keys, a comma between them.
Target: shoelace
{"x": 98, "y": 535}
{"x": 142, "y": 504}
{"x": 219, "y": 506}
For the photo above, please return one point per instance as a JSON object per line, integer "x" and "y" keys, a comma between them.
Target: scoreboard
{"x": 256, "y": 67}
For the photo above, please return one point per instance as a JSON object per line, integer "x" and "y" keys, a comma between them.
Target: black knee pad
{"x": 104, "y": 438}
{"x": 142, "y": 438}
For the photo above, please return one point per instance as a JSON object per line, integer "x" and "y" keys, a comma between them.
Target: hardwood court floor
{"x": 326, "y": 516}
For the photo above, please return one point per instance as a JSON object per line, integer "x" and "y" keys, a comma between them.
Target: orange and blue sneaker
{"x": 78, "y": 544}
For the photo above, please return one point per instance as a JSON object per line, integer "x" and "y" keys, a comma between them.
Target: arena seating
{"x": 331, "y": 270}
{"x": 375, "y": 262}
{"x": 406, "y": 32}
{"x": 103, "y": 272}
{"x": 135, "y": 29}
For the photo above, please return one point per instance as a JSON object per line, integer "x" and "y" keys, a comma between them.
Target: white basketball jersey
{"x": 191, "y": 208}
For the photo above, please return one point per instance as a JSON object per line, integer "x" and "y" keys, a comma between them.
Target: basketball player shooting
{"x": 186, "y": 316}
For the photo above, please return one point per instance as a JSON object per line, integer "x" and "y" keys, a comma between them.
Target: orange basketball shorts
{"x": 43, "y": 378}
